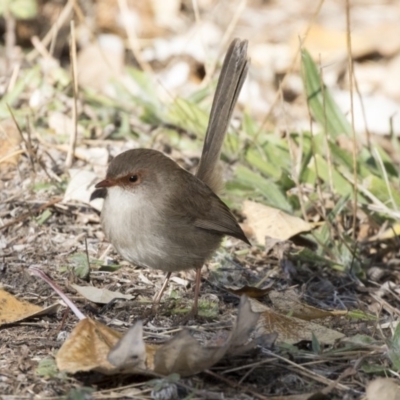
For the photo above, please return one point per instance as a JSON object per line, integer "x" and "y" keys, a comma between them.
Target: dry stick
{"x": 351, "y": 75}
{"x": 296, "y": 168}
{"x": 195, "y": 6}
{"x": 65, "y": 13}
{"x": 13, "y": 78}
{"x": 311, "y": 374}
{"x": 225, "y": 39}
{"x": 28, "y": 147}
{"x": 9, "y": 35}
{"x": 41, "y": 48}
{"x": 133, "y": 39}
{"x": 236, "y": 385}
{"x": 364, "y": 114}
{"x": 326, "y": 132}
{"x": 38, "y": 272}
{"x": 252, "y": 365}
{"x": 29, "y": 213}
{"x": 73, "y": 135}
{"x": 290, "y": 70}
{"x": 11, "y": 155}
{"x": 319, "y": 191}
{"x": 378, "y": 157}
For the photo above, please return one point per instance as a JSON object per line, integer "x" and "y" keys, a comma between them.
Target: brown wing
{"x": 220, "y": 219}
{"x": 198, "y": 204}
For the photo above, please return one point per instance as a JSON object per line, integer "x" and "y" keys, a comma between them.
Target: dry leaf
{"x": 62, "y": 124}
{"x": 10, "y": 140}
{"x": 288, "y": 302}
{"x": 267, "y": 221}
{"x": 329, "y": 44}
{"x": 100, "y": 62}
{"x": 100, "y": 296}
{"x": 80, "y": 188}
{"x": 383, "y": 388}
{"x": 130, "y": 350}
{"x": 87, "y": 347}
{"x": 13, "y": 310}
{"x": 291, "y": 329}
{"x": 93, "y": 346}
{"x": 250, "y": 291}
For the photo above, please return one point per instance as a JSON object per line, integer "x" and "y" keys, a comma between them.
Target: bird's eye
{"x": 133, "y": 178}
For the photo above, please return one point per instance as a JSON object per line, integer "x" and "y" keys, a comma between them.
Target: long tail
{"x": 231, "y": 79}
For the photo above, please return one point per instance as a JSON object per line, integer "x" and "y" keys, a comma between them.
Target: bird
{"x": 159, "y": 215}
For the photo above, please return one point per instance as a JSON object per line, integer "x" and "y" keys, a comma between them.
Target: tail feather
{"x": 232, "y": 77}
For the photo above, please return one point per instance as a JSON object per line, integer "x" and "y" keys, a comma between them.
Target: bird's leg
{"x": 194, "y": 310}
{"x": 157, "y": 297}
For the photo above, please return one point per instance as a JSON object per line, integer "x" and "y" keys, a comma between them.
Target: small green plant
{"x": 19, "y": 9}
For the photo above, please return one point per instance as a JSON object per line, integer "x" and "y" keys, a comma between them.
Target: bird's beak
{"x": 99, "y": 194}
{"x": 106, "y": 183}
{"x": 101, "y": 189}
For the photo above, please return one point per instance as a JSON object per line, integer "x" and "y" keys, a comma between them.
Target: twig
{"x": 310, "y": 374}
{"x": 65, "y": 13}
{"x": 36, "y": 271}
{"x": 225, "y": 38}
{"x": 236, "y": 385}
{"x": 296, "y": 161}
{"x": 29, "y": 213}
{"x": 290, "y": 70}
{"x": 13, "y": 78}
{"x": 9, "y": 35}
{"x": 74, "y": 73}
{"x": 132, "y": 38}
{"x": 351, "y": 76}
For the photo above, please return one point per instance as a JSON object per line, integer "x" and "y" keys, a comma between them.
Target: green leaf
{"x": 81, "y": 266}
{"x": 322, "y": 106}
{"x": 30, "y": 77}
{"x": 271, "y": 191}
{"x": 362, "y": 340}
{"x": 361, "y": 315}
{"x": 80, "y": 393}
{"x": 307, "y": 255}
{"x": 47, "y": 368}
{"x": 383, "y": 190}
{"x": 43, "y": 217}
{"x": 189, "y": 116}
{"x": 254, "y": 158}
{"x": 394, "y": 348}
{"x": 20, "y": 9}
{"x": 325, "y": 171}
{"x": 316, "y": 346}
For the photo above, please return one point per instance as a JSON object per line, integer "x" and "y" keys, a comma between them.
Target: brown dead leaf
{"x": 10, "y": 140}
{"x": 330, "y": 44}
{"x": 250, "y": 291}
{"x": 184, "y": 355}
{"x": 13, "y": 310}
{"x": 87, "y": 347}
{"x": 291, "y": 329}
{"x": 288, "y": 302}
{"x": 94, "y": 346}
{"x": 268, "y": 221}
{"x": 383, "y": 388}
{"x": 100, "y": 296}
{"x": 100, "y": 62}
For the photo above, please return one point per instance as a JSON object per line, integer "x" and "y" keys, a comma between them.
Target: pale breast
{"x": 141, "y": 235}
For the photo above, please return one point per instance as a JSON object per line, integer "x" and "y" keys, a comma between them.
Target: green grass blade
{"x": 322, "y": 106}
